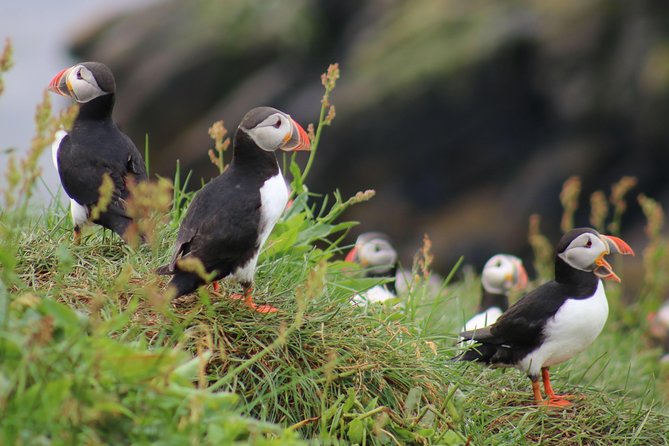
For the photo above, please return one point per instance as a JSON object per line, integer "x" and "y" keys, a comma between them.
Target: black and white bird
{"x": 94, "y": 146}
{"x": 557, "y": 320}
{"x": 231, "y": 217}
{"x": 375, "y": 253}
{"x": 501, "y": 274}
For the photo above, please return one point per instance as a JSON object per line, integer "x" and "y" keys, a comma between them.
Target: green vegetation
{"x": 93, "y": 352}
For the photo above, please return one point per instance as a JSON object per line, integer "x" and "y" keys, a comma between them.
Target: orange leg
{"x": 77, "y": 235}
{"x": 248, "y": 301}
{"x": 216, "y": 285}
{"x": 536, "y": 389}
{"x": 553, "y": 399}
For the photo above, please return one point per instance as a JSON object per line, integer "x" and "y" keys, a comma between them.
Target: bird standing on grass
{"x": 231, "y": 217}
{"x": 95, "y": 146}
{"x": 501, "y": 274}
{"x": 557, "y": 320}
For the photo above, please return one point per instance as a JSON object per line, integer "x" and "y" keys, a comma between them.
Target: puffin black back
{"x": 95, "y": 146}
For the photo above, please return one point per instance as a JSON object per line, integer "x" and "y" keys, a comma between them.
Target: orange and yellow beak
{"x": 352, "y": 255}
{"x": 59, "y": 84}
{"x": 615, "y": 245}
{"x": 604, "y": 269}
{"x": 521, "y": 276}
{"x": 297, "y": 140}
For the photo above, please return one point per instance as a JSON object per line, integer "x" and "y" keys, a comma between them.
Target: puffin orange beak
{"x": 298, "y": 140}
{"x": 59, "y": 84}
{"x": 350, "y": 257}
{"x": 617, "y": 245}
{"x": 522, "y": 279}
{"x": 604, "y": 269}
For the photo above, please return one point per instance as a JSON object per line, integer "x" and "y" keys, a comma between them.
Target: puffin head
{"x": 84, "y": 82}
{"x": 502, "y": 273}
{"x": 584, "y": 249}
{"x": 271, "y": 129}
{"x": 375, "y": 251}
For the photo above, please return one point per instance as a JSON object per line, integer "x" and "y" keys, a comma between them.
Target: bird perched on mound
{"x": 375, "y": 253}
{"x": 501, "y": 274}
{"x": 557, "y": 320}
{"x": 230, "y": 218}
{"x": 95, "y": 146}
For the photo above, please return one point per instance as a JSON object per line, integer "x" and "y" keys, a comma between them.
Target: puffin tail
{"x": 165, "y": 270}
{"x": 184, "y": 282}
{"x": 116, "y": 222}
{"x": 480, "y": 351}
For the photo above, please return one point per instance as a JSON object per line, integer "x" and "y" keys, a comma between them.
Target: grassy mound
{"x": 94, "y": 351}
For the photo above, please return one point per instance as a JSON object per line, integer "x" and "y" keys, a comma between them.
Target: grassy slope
{"x": 380, "y": 352}
{"x": 94, "y": 352}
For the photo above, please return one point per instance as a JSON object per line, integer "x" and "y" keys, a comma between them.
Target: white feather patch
{"x": 273, "y": 200}
{"x": 79, "y": 213}
{"x": 483, "y": 319}
{"x": 58, "y": 138}
{"x": 376, "y": 294}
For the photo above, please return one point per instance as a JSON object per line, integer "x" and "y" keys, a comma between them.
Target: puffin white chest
{"x": 273, "y": 200}
{"x": 574, "y": 327}
{"x": 79, "y": 212}
{"x": 376, "y": 294}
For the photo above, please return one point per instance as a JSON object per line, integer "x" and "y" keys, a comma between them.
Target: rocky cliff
{"x": 466, "y": 117}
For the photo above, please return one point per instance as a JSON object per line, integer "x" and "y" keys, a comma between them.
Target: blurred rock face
{"x": 466, "y": 117}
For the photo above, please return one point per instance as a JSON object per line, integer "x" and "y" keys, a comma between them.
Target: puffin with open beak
{"x": 501, "y": 274}
{"x": 95, "y": 146}
{"x": 557, "y": 320}
{"x": 231, "y": 217}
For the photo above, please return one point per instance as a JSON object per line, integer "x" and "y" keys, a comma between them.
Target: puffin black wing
{"x": 85, "y": 156}
{"x": 220, "y": 229}
{"x": 519, "y": 330}
{"x": 135, "y": 164}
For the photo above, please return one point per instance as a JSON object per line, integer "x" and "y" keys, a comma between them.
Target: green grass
{"x": 94, "y": 352}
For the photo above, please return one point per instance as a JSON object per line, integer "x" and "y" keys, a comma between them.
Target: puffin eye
{"x": 277, "y": 124}
{"x": 79, "y": 76}
{"x": 588, "y": 244}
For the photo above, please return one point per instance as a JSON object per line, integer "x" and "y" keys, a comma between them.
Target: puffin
{"x": 93, "y": 147}
{"x": 558, "y": 319}
{"x": 231, "y": 217}
{"x": 374, "y": 251}
{"x": 501, "y": 274}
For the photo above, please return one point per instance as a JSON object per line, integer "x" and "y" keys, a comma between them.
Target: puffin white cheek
{"x": 86, "y": 92}
{"x": 267, "y": 138}
{"x": 493, "y": 279}
{"x": 580, "y": 258}
{"x": 83, "y": 90}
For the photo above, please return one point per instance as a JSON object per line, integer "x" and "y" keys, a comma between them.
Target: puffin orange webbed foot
{"x": 554, "y": 402}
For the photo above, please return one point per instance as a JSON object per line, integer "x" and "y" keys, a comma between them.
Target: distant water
{"x": 40, "y": 31}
